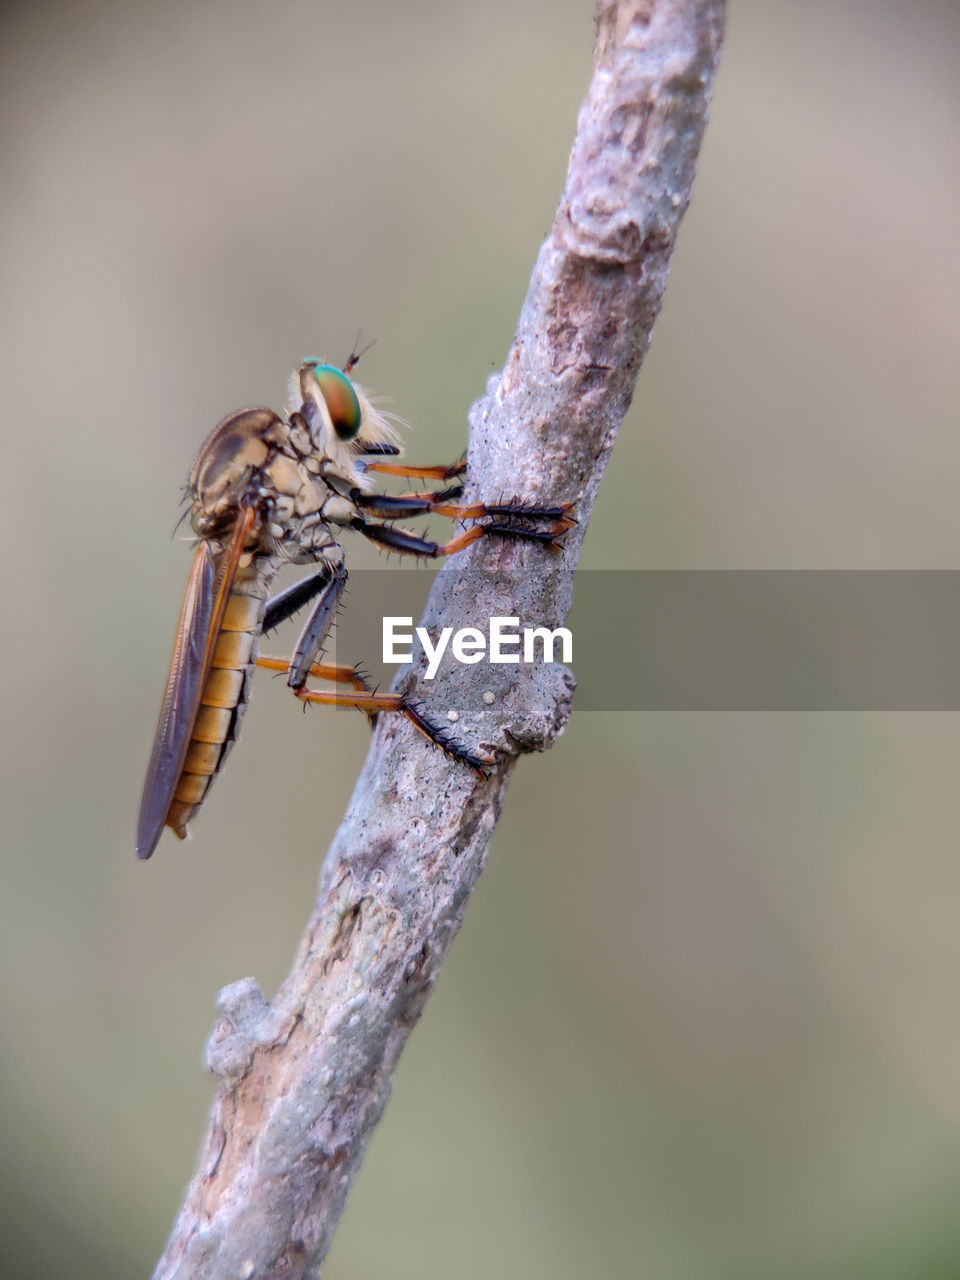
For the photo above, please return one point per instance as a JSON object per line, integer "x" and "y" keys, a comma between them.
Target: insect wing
{"x": 201, "y": 615}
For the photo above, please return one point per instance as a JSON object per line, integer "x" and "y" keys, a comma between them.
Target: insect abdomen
{"x": 222, "y": 704}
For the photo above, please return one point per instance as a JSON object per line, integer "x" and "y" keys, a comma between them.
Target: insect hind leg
{"x": 373, "y": 703}
{"x": 339, "y": 672}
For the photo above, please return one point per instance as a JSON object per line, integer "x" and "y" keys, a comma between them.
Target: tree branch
{"x": 303, "y": 1080}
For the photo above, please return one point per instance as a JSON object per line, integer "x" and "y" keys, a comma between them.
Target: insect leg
{"x": 373, "y": 703}
{"x": 440, "y": 472}
{"x": 438, "y": 495}
{"x": 405, "y": 543}
{"x": 328, "y": 586}
{"x": 379, "y": 447}
{"x": 291, "y": 601}
{"x": 332, "y": 581}
{"x": 339, "y": 672}
{"x": 387, "y": 507}
{"x": 317, "y": 626}
{"x": 523, "y": 510}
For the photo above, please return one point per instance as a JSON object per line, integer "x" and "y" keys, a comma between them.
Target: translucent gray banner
{"x": 783, "y": 640}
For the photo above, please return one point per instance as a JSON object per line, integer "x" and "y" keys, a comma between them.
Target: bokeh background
{"x": 702, "y": 1020}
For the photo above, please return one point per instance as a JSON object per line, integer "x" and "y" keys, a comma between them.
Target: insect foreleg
{"x": 380, "y": 447}
{"x": 408, "y": 544}
{"x": 387, "y": 507}
{"x": 440, "y": 472}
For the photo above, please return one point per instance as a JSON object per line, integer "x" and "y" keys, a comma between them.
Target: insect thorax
{"x": 254, "y": 458}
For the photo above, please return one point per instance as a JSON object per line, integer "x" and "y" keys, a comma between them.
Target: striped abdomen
{"x": 224, "y": 697}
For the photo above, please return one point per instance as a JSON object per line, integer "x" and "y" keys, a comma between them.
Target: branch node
{"x": 245, "y": 1015}
{"x": 539, "y": 707}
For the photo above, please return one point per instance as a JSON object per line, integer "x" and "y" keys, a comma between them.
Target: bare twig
{"x": 303, "y": 1080}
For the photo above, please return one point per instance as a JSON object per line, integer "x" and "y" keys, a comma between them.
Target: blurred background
{"x": 702, "y": 1020}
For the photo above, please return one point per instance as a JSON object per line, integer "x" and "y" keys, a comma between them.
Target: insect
{"x": 267, "y": 490}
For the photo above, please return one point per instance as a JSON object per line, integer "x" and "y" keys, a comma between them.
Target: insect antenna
{"x": 353, "y": 359}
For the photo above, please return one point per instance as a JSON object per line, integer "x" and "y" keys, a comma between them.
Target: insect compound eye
{"x": 340, "y": 399}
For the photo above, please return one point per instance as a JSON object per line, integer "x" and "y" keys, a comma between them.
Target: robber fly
{"x": 266, "y": 491}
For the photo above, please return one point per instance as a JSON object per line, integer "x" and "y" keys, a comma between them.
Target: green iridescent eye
{"x": 340, "y": 398}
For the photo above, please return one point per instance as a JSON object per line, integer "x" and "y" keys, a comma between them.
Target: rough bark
{"x": 303, "y": 1079}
